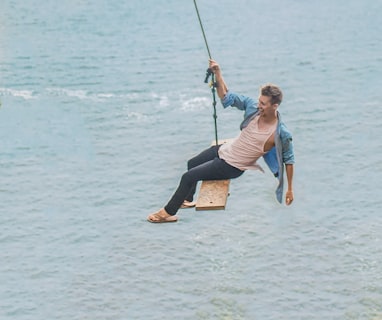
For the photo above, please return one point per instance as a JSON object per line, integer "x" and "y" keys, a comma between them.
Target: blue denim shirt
{"x": 282, "y": 153}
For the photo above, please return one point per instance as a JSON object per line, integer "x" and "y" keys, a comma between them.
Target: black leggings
{"x": 205, "y": 166}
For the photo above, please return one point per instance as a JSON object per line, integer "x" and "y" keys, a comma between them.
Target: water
{"x": 102, "y": 104}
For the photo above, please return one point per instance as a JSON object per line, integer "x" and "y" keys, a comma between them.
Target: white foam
{"x": 196, "y": 103}
{"x": 78, "y": 93}
{"x": 163, "y": 101}
{"x": 105, "y": 95}
{"x": 25, "y": 94}
{"x": 137, "y": 116}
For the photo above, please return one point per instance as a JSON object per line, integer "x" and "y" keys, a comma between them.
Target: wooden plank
{"x": 213, "y": 195}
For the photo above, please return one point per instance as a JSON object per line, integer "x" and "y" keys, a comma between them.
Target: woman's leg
{"x": 216, "y": 169}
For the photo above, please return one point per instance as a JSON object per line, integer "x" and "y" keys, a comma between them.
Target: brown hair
{"x": 273, "y": 91}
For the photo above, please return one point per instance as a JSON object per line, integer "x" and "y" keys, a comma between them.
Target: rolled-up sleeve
{"x": 287, "y": 144}
{"x": 241, "y": 102}
{"x": 228, "y": 99}
{"x": 288, "y": 153}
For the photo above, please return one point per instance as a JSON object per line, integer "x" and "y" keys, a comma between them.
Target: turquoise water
{"x": 103, "y": 102}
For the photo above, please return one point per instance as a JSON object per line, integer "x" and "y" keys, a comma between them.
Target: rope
{"x": 201, "y": 26}
{"x": 209, "y": 72}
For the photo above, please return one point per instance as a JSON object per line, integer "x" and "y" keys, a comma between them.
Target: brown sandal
{"x": 187, "y": 204}
{"x": 161, "y": 217}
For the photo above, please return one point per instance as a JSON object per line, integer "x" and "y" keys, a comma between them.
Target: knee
{"x": 191, "y": 163}
{"x": 187, "y": 179}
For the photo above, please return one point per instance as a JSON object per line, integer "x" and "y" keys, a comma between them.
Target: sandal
{"x": 187, "y": 204}
{"x": 161, "y": 217}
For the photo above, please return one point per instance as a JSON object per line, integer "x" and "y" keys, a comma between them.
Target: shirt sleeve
{"x": 241, "y": 102}
{"x": 288, "y": 153}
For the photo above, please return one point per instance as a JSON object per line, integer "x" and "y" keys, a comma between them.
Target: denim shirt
{"x": 281, "y": 153}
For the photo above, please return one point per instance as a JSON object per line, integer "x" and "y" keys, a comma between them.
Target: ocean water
{"x": 103, "y": 102}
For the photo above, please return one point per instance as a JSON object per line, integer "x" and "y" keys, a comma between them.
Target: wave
{"x": 195, "y": 103}
{"x": 25, "y": 94}
{"x": 134, "y": 101}
{"x": 189, "y": 100}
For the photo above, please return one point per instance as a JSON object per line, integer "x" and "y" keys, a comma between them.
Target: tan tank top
{"x": 248, "y": 147}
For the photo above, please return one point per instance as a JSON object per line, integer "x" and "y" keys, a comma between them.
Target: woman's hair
{"x": 273, "y": 91}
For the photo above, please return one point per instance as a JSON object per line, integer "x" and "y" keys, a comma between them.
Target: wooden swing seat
{"x": 213, "y": 193}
